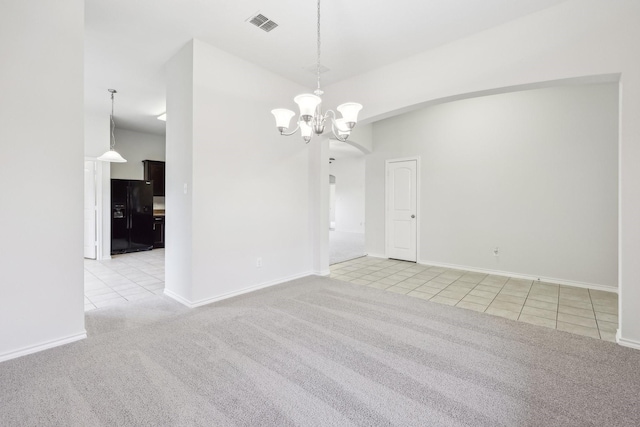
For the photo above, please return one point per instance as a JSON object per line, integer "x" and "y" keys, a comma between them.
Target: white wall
{"x": 41, "y": 175}
{"x": 178, "y": 176}
{"x": 318, "y": 198}
{"x": 249, "y": 184}
{"x": 533, "y": 173}
{"x": 136, "y": 147}
{"x": 574, "y": 40}
{"x": 349, "y": 197}
{"x": 362, "y": 137}
{"x": 96, "y": 133}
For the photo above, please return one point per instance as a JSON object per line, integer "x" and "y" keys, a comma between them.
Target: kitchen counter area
{"x": 158, "y": 228}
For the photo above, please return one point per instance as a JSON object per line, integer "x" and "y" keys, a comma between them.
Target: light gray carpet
{"x": 316, "y": 351}
{"x": 345, "y": 246}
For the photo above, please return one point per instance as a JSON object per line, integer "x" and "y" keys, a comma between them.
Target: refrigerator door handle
{"x": 128, "y": 208}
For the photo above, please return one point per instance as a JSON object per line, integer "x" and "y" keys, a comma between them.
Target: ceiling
{"x": 127, "y": 43}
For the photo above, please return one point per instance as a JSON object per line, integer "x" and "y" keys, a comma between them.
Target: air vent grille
{"x": 262, "y": 22}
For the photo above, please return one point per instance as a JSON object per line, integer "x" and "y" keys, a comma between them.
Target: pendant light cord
{"x": 113, "y": 123}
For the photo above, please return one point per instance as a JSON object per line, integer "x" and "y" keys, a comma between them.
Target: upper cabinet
{"x": 154, "y": 171}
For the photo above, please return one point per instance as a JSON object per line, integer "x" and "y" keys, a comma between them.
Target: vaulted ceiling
{"x": 128, "y": 42}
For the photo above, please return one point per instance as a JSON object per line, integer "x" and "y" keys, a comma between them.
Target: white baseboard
{"x": 44, "y": 346}
{"x": 178, "y": 298}
{"x": 322, "y": 272}
{"x": 205, "y": 301}
{"x": 376, "y": 255}
{"x": 593, "y": 286}
{"x": 626, "y": 342}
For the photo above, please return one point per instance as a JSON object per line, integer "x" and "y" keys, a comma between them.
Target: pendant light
{"x": 311, "y": 119}
{"x": 112, "y": 155}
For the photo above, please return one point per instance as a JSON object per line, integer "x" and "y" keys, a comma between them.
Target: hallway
{"x": 123, "y": 278}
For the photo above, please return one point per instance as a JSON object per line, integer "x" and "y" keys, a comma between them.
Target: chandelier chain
{"x": 318, "y": 59}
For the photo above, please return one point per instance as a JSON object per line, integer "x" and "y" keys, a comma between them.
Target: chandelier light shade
{"x": 283, "y": 118}
{"x": 349, "y": 113}
{"x": 311, "y": 118}
{"x": 112, "y": 155}
{"x": 307, "y": 104}
{"x": 342, "y": 129}
{"x": 306, "y": 131}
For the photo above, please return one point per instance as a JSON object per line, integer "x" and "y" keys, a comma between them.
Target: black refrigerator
{"x": 131, "y": 216}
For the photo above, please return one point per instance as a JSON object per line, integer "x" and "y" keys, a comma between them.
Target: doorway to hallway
{"x": 346, "y": 202}
{"x": 123, "y": 278}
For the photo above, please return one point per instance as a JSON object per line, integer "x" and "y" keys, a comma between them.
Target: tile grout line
{"x": 467, "y": 293}
{"x": 595, "y": 317}
{"x": 496, "y": 296}
{"x": 134, "y": 265}
{"x": 401, "y": 266}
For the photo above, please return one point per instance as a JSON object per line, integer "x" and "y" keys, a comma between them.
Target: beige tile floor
{"x": 566, "y": 308}
{"x": 123, "y": 278}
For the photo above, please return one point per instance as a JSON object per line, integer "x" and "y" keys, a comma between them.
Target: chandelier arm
{"x": 329, "y": 115}
{"x": 333, "y": 115}
{"x": 336, "y": 134}
{"x": 290, "y": 133}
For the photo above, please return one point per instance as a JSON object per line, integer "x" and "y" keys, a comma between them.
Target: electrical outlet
{"x": 259, "y": 262}
{"x": 496, "y": 251}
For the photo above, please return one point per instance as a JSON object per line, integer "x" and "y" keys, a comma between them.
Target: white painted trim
{"x": 376, "y": 256}
{"x": 322, "y": 273}
{"x": 97, "y": 178}
{"x": 593, "y": 286}
{"x": 627, "y": 343}
{"x": 178, "y": 298}
{"x": 418, "y": 190}
{"x": 199, "y": 303}
{"x": 44, "y": 346}
{"x": 386, "y": 202}
{"x": 99, "y": 213}
{"x": 94, "y": 194}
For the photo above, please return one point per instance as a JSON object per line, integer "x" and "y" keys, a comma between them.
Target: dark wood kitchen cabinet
{"x": 158, "y": 231}
{"x": 154, "y": 171}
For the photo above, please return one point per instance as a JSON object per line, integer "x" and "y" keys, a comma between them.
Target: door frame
{"x": 386, "y": 203}
{"x": 98, "y": 184}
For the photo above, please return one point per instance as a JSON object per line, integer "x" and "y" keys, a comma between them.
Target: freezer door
{"x": 119, "y": 216}
{"x": 141, "y": 215}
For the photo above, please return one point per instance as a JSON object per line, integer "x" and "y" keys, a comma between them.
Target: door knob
{"x": 413, "y": 216}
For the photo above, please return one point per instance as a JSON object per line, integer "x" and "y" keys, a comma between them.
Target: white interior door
{"x": 401, "y": 210}
{"x": 90, "y": 224}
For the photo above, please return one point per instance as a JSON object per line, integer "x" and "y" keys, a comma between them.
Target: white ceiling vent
{"x": 262, "y": 22}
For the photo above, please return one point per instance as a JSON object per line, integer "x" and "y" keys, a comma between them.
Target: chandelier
{"x": 311, "y": 119}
